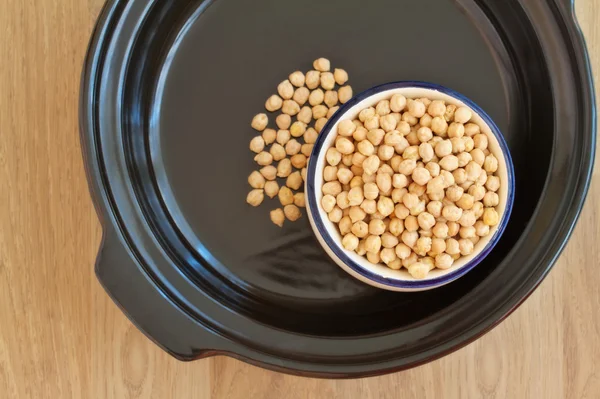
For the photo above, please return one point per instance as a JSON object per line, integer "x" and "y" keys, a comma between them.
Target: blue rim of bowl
{"x": 339, "y": 252}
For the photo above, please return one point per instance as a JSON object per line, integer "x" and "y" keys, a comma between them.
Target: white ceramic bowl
{"x": 326, "y": 231}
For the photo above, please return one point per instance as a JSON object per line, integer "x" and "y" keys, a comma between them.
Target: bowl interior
{"x": 328, "y": 232}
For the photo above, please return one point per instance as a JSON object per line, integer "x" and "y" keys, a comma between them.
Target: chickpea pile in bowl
{"x": 412, "y": 183}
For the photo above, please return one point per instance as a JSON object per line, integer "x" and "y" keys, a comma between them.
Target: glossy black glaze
{"x": 168, "y": 91}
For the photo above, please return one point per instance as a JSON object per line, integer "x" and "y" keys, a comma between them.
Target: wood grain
{"x": 62, "y": 337}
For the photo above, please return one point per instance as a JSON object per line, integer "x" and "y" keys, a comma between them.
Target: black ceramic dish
{"x": 169, "y": 89}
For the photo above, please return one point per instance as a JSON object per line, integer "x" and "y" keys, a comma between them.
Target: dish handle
{"x": 149, "y": 309}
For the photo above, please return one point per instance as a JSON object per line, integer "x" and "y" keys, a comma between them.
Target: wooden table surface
{"x": 62, "y": 337}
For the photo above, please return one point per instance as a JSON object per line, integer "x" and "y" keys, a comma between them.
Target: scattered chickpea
{"x": 269, "y": 136}
{"x": 301, "y": 96}
{"x": 416, "y": 108}
{"x": 298, "y": 161}
{"x": 292, "y": 212}
{"x": 257, "y": 144}
{"x": 259, "y": 122}
{"x": 273, "y": 103}
{"x": 269, "y": 172}
{"x": 418, "y": 270}
{"x": 290, "y": 107}
{"x": 444, "y": 261}
{"x": 493, "y": 183}
{"x": 345, "y": 94}
{"x": 327, "y": 81}
{"x": 350, "y": 242}
{"x": 283, "y": 121}
{"x": 263, "y": 158}
{"x": 277, "y": 217}
{"x": 256, "y": 180}
{"x": 322, "y": 64}
{"x": 277, "y": 152}
{"x": 439, "y": 126}
{"x": 491, "y": 217}
{"x": 255, "y": 197}
{"x": 463, "y": 115}
{"x": 271, "y": 189}
{"x": 294, "y": 181}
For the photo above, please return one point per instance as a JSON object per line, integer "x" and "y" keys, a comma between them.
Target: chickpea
{"x": 259, "y": 122}
{"x": 333, "y": 156}
{"x": 426, "y": 221}
{"x": 384, "y": 182}
{"x": 436, "y": 108}
{"x": 336, "y": 215}
{"x": 385, "y": 152}
{"x": 322, "y": 64}
{"x": 421, "y": 176}
{"x": 256, "y": 180}
{"x": 255, "y": 197}
{"x": 418, "y": 209}
{"x": 332, "y": 188}
{"x": 340, "y": 76}
{"x": 292, "y": 212}
{"x": 369, "y": 206}
{"x": 372, "y": 123}
{"x": 444, "y": 261}
{"x": 273, "y": 103}
{"x": 481, "y": 141}
{"x": 376, "y": 227}
{"x": 416, "y": 189}
{"x": 359, "y": 134}
{"x": 271, "y": 189}
{"x": 294, "y": 181}
{"x": 439, "y": 126}
{"x": 490, "y": 217}
{"x": 320, "y": 124}
{"x": 360, "y": 229}
{"x": 301, "y": 97}
{"x": 368, "y": 178}
{"x": 269, "y": 136}
{"x": 316, "y": 97}
{"x": 433, "y": 168}
{"x": 463, "y": 159}
{"x": 345, "y": 225}
{"x": 411, "y": 223}
{"x": 490, "y": 165}
{"x": 345, "y": 94}
{"x": 491, "y": 199}
{"x": 285, "y": 89}
{"x": 375, "y": 136}
{"x": 467, "y": 219}
{"x": 397, "y": 103}
{"x": 292, "y": 147}
{"x": 347, "y": 160}
{"x": 277, "y": 152}
{"x": 283, "y": 121}
{"x": 344, "y": 146}
{"x": 481, "y": 229}
{"x": 388, "y": 123}
{"x": 396, "y": 264}
{"x": 356, "y": 196}
{"x": 290, "y": 107}
{"x": 257, "y": 144}
{"x": 449, "y": 163}
{"x": 471, "y": 129}
{"x": 416, "y": 108}
{"x": 463, "y": 115}
{"x": 371, "y": 164}
{"x": 451, "y": 213}
{"x": 466, "y": 246}
{"x": 409, "y": 237}
{"x": 424, "y": 134}
{"x": 344, "y": 175}
{"x": 332, "y": 112}
{"x": 388, "y": 240}
{"x": 373, "y": 243}
{"x": 366, "y": 114}
{"x": 493, "y": 183}
{"x": 423, "y": 246}
{"x": 467, "y": 232}
{"x": 313, "y": 79}
{"x": 468, "y": 143}
{"x": 410, "y": 200}
{"x": 396, "y": 227}
{"x": 403, "y": 251}
{"x": 328, "y": 202}
{"x": 412, "y": 138}
{"x": 263, "y": 158}
{"x": 373, "y": 257}
{"x": 383, "y": 108}
{"x": 443, "y": 148}
{"x": 328, "y": 82}
{"x": 418, "y": 270}
{"x": 453, "y": 228}
{"x": 356, "y": 181}
{"x": 473, "y": 170}
{"x": 477, "y": 192}
{"x": 385, "y": 206}
{"x": 452, "y": 247}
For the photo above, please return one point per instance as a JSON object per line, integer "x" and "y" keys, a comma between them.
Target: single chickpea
{"x": 286, "y": 196}
{"x": 437, "y": 196}
{"x": 426, "y": 153}
{"x": 471, "y": 129}
{"x": 344, "y": 175}
{"x": 359, "y": 134}
{"x": 409, "y": 237}
{"x": 369, "y": 206}
{"x": 416, "y": 189}
{"x": 477, "y": 191}
{"x": 283, "y": 121}
{"x": 331, "y": 98}
{"x": 397, "y": 103}
{"x": 465, "y": 246}
{"x": 388, "y": 255}
{"x": 426, "y": 221}
{"x": 383, "y": 108}
{"x": 345, "y": 225}
{"x": 410, "y": 200}
{"x": 290, "y": 107}
{"x": 344, "y": 146}
{"x": 373, "y": 243}
{"x": 319, "y": 111}
{"x": 440, "y": 230}
{"x": 256, "y": 180}
{"x": 328, "y": 202}
{"x": 454, "y": 193}
{"x": 475, "y": 240}
{"x": 366, "y": 148}
{"x": 421, "y": 176}
{"x": 269, "y": 136}
{"x": 301, "y": 96}
{"x": 316, "y": 97}
{"x": 260, "y": 122}
{"x": 491, "y": 199}
{"x": 292, "y": 147}
{"x": 375, "y": 136}
{"x": 277, "y": 151}
{"x": 277, "y": 217}
{"x": 418, "y": 270}
{"x": 332, "y": 188}
{"x": 374, "y": 258}
{"x": 490, "y": 165}
{"x": 435, "y": 185}
{"x": 332, "y": 111}
{"x": 385, "y": 152}
{"x": 328, "y": 81}
{"x": 372, "y": 123}
{"x": 384, "y": 182}
{"x": 443, "y": 261}
{"x": 388, "y": 240}
{"x": 452, "y": 247}
{"x": 467, "y": 219}
{"x": 292, "y": 212}
{"x": 416, "y": 108}
{"x": 449, "y": 163}
{"x": 333, "y": 156}
{"x": 360, "y": 229}
{"x": 368, "y": 178}
{"x": 449, "y": 114}
{"x": 322, "y": 64}
{"x": 411, "y": 223}
{"x": 478, "y": 156}
{"x": 257, "y": 144}
{"x": 313, "y": 79}
{"x": 460, "y": 176}
{"x": 393, "y": 138}
{"x": 371, "y": 164}
{"x": 283, "y": 136}
{"x": 366, "y": 114}
{"x": 473, "y": 170}
{"x": 371, "y": 191}
{"x": 340, "y": 76}
{"x": 385, "y": 206}
{"x": 493, "y": 183}
{"x": 396, "y": 227}
{"x": 388, "y": 123}
{"x": 271, "y": 189}
{"x": 336, "y": 215}
{"x": 284, "y": 169}
{"x": 463, "y": 115}
{"x": 443, "y": 148}
{"x": 439, "y": 126}
{"x": 468, "y": 143}
{"x": 481, "y": 228}
{"x": 466, "y": 201}
{"x": 481, "y": 141}
{"x": 403, "y": 251}
{"x": 264, "y": 158}
{"x": 320, "y": 124}
{"x": 433, "y": 168}
{"x": 458, "y": 145}
{"x": 294, "y": 181}
{"x": 345, "y": 94}
{"x": 401, "y": 211}
{"x": 255, "y": 197}
{"x": 356, "y": 196}
{"x": 396, "y": 264}
{"x": 356, "y": 181}
{"x": 436, "y": 108}
{"x": 453, "y": 228}
{"x": 273, "y": 103}
{"x": 285, "y": 89}
{"x": 424, "y": 134}
{"x": 482, "y": 178}
{"x": 269, "y": 172}
{"x": 451, "y": 213}
{"x": 490, "y": 217}
{"x": 350, "y": 242}
{"x": 463, "y": 159}
{"x": 376, "y": 227}
{"x": 399, "y": 181}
